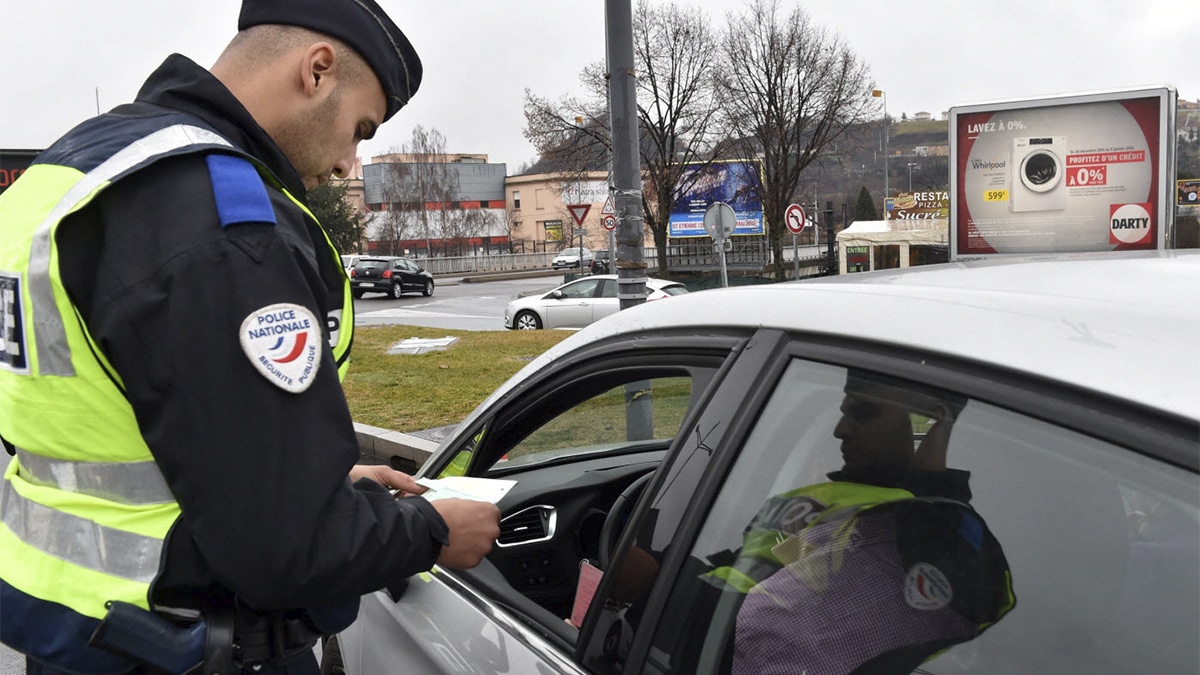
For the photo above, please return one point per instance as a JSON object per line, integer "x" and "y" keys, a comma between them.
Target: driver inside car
{"x": 877, "y": 570}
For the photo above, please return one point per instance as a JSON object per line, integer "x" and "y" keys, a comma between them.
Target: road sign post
{"x": 796, "y": 221}
{"x": 579, "y": 212}
{"x": 719, "y": 222}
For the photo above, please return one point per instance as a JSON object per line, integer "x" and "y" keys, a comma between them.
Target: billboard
{"x": 12, "y": 164}
{"x": 735, "y": 183}
{"x": 1088, "y": 172}
{"x": 933, "y": 205}
{"x": 1187, "y": 192}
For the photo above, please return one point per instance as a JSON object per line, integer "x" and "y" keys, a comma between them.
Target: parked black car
{"x": 602, "y": 262}
{"x": 391, "y": 275}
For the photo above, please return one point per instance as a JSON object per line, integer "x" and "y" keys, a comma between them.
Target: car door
{"x": 574, "y": 438}
{"x": 573, "y": 309}
{"x": 1032, "y": 529}
{"x": 407, "y": 272}
{"x": 606, "y": 302}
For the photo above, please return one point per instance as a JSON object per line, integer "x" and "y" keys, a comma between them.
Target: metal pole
{"x": 879, "y": 93}
{"x": 816, "y": 223}
{"x": 627, "y": 180}
{"x": 627, "y": 194}
{"x": 724, "y": 275}
{"x": 830, "y": 254}
{"x": 796, "y": 253}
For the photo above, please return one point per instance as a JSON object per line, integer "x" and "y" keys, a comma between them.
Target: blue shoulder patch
{"x": 239, "y": 191}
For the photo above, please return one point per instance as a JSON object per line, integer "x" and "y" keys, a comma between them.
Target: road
{"x": 454, "y": 305}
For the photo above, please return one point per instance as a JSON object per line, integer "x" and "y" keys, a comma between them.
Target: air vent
{"x": 533, "y": 524}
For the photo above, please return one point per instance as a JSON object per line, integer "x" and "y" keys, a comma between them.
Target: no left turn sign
{"x": 795, "y": 219}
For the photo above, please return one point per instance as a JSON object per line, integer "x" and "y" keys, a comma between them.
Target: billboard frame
{"x": 1161, "y": 196}
{"x": 687, "y": 213}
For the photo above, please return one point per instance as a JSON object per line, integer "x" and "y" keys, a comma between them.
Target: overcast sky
{"x": 480, "y": 55}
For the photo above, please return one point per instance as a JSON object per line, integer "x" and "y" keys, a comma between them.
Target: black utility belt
{"x": 224, "y": 642}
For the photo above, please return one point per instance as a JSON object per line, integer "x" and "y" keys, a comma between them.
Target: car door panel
{"x": 436, "y": 629}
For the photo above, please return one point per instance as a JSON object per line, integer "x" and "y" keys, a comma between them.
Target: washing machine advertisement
{"x": 1089, "y": 172}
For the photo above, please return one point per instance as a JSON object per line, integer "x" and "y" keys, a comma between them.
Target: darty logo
{"x": 1130, "y": 224}
{"x": 283, "y": 342}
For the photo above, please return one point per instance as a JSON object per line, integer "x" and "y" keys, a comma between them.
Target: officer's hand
{"x": 473, "y": 525}
{"x": 388, "y": 478}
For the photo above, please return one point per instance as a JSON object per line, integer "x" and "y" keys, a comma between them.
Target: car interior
{"x": 581, "y": 449}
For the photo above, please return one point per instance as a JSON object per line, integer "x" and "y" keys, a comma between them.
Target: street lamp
{"x": 910, "y": 168}
{"x": 879, "y": 93}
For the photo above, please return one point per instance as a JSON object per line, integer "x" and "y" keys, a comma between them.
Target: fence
{"x": 503, "y": 262}
{"x": 692, "y": 256}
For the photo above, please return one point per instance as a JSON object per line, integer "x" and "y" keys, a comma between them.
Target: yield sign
{"x": 579, "y": 212}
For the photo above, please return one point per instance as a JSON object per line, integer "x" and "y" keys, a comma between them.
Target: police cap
{"x": 362, "y": 25}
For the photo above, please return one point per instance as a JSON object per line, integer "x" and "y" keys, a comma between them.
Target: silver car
{"x": 578, "y": 303}
{"x": 572, "y": 257}
{"x": 964, "y": 468}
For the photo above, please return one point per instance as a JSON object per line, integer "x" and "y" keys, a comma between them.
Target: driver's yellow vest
{"x": 84, "y": 509}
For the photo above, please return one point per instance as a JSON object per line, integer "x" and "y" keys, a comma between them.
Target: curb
{"x": 403, "y": 452}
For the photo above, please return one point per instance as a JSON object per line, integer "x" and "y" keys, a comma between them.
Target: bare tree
{"x": 790, "y": 90}
{"x": 412, "y": 186}
{"x": 677, "y": 108}
{"x": 673, "y": 50}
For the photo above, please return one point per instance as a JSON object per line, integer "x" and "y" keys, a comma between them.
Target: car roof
{"x": 1122, "y": 324}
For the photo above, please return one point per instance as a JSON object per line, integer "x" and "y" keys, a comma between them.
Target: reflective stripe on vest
{"x": 121, "y": 482}
{"x": 54, "y": 355}
{"x": 78, "y": 540}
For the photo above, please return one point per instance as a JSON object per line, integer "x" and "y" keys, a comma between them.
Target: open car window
{"x": 643, "y": 412}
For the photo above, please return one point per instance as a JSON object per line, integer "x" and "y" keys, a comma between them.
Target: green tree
{"x": 864, "y": 209}
{"x": 344, "y": 225}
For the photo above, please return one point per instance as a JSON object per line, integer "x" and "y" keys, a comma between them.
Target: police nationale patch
{"x": 926, "y": 588}
{"x": 13, "y": 354}
{"x": 284, "y": 343}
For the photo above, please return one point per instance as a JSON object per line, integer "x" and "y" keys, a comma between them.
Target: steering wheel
{"x": 614, "y": 522}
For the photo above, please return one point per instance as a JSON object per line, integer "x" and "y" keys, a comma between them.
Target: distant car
{"x": 578, "y": 303}
{"x": 348, "y": 262}
{"x": 571, "y": 257}
{"x": 602, "y": 262}
{"x": 686, "y": 449}
{"x": 391, "y": 275}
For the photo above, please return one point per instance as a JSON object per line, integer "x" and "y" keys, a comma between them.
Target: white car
{"x": 985, "y": 467}
{"x": 570, "y": 257}
{"x": 578, "y": 303}
{"x": 349, "y": 260}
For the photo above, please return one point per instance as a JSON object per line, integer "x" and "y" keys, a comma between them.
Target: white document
{"x": 489, "y": 490}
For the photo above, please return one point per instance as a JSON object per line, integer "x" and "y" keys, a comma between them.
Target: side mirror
{"x": 557, "y": 295}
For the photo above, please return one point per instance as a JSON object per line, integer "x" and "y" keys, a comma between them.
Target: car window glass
{"x": 601, "y": 422}
{"x": 674, "y": 289}
{"x": 372, "y": 264}
{"x": 580, "y": 289}
{"x": 879, "y": 524}
{"x": 608, "y": 288}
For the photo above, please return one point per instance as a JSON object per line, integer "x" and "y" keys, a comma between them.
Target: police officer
{"x": 878, "y": 569}
{"x": 175, "y": 324}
